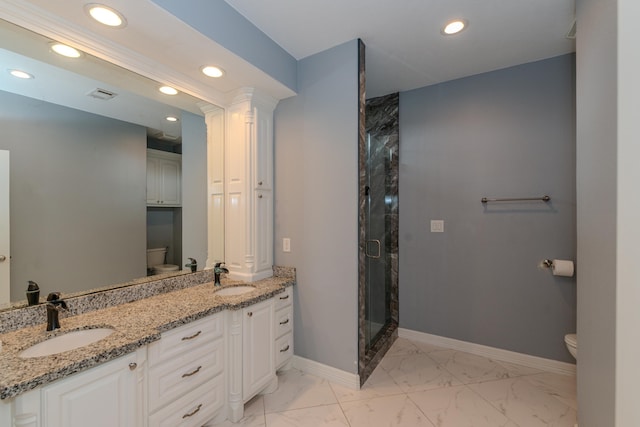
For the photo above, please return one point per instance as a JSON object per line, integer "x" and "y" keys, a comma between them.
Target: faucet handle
{"x": 193, "y": 264}
{"x": 53, "y": 296}
{"x": 53, "y": 299}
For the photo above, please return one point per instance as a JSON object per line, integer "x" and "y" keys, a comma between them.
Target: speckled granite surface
{"x": 136, "y": 324}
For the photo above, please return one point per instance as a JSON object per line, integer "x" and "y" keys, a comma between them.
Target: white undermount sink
{"x": 235, "y": 290}
{"x": 66, "y": 342}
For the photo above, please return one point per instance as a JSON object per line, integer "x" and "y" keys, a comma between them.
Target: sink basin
{"x": 66, "y": 342}
{"x": 235, "y": 290}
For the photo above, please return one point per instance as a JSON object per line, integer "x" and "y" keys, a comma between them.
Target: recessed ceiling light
{"x": 171, "y": 119}
{"x": 64, "y": 50}
{"x": 168, "y": 90}
{"x": 454, "y": 27}
{"x": 212, "y": 71}
{"x": 106, "y": 15}
{"x": 21, "y": 74}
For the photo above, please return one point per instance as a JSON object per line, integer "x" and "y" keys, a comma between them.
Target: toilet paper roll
{"x": 562, "y": 267}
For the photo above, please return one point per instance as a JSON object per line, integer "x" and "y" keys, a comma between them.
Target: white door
{"x": 4, "y": 228}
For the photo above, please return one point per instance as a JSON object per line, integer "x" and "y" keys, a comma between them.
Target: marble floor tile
{"x": 317, "y": 416}
{"x": 518, "y": 370}
{"x": 562, "y": 387}
{"x": 417, "y": 372}
{"x": 468, "y": 367}
{"x": 525, "y": 404}
{"x": 298, "y": 390}
{"x": 253, "y": 415}
{"x": 402, "y": 346}
{"x": 389, "y": 411}
{"x": 427, "y": 348}
{"x": 458, "y": 407}
{"x": 378, "y": 384}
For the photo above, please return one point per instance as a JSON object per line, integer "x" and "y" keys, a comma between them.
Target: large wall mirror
{"x": 78, "y": 134}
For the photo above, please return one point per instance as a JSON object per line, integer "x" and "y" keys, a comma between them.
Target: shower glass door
{"x": 377, "y": 273}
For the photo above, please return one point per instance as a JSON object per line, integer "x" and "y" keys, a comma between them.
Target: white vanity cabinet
{"x": 185, "y": 374}
{"x": 258, "y": 364}
{"x": 109, "y": 395}
{"x": 164, "y": 178}
{"x": 284, "y": 328}
{"x": 250, "y": 353}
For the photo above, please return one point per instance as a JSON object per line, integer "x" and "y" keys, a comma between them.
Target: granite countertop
{"x": 136, "y": 324}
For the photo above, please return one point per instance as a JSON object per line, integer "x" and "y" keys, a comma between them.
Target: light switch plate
{"x": 286, "y": 244}
{"x": 437, "y": 226}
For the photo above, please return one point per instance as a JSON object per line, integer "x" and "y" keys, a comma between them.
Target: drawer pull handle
{"x": 190, "y": 414}
{"x": 285, "y": 297}
{"x": 250, "y": 313}
{"x": 192, "y": 372}
{"x": 284, "y": 322}
{"x": 132, "y": 366}
{"x": 192, "y": 336}
{"x": 285, "y": 349}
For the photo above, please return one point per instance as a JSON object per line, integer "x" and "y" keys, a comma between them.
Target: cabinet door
{"x": 170, "y": 182}
{"x": 257, "y": 348}
{"x": 105, "y": 396}
{"x": 153, "y": 189}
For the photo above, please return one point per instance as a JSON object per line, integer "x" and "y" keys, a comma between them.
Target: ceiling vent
{"x": 102, "y": 94}
{"x": 166, "y": 136}
{"x": 572, "y": 31}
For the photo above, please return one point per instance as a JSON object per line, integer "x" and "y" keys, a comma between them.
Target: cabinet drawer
{"x": 284, "y": 349}
{"x": 174, "y": 378}
{"x": 284, "y": 321}
{"x": 184, "y": 339}
{"x": 193, "y": 409}
{"x": 284, "y": 299}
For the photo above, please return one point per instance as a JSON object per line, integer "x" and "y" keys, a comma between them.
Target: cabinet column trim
{"x": 249, "y": 209}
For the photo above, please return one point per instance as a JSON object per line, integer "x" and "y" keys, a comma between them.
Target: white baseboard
{"x": 326, "y": 372}
{"x": 491, "y": 352}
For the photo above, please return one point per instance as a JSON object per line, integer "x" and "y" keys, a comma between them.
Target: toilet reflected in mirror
{"x": 156, "y": 261}
{"x": 571, "y": 340}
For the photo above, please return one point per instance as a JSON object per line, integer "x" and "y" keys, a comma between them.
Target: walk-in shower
{"x": 378, "y": 270}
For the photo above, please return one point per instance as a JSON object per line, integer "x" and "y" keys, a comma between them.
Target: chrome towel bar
{"x": 544, "y": 198}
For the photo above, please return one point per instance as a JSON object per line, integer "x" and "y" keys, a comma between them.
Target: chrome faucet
{"x": 217, "y": 270}
{"x": 54, "y": 305}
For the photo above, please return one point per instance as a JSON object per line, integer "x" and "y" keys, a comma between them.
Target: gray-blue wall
{"x": 78, "y": 185}
{"x": 507, "y": 133}
{"x": 601, "y": 216}
{"x": 316, "y": 204}
{"x": 194, "y": 189}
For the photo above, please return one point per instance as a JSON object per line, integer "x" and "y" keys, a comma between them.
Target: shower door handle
{"x": 366, "y": 248}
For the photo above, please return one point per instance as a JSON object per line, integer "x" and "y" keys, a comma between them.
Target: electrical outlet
{"x": 286, "y": 244}
{"x": 437, "y": 226}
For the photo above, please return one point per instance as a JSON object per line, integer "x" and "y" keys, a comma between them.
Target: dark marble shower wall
{"x": 379, "y": 146}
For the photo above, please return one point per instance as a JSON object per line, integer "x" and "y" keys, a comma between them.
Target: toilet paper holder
{"x": 547, "y": 263}
{"x": 559, "y": 267}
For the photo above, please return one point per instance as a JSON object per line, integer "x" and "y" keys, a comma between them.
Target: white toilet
{"x": 571, "y": 340}
{"x": 155, "y": 261}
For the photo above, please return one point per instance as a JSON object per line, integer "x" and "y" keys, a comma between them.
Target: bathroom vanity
{"x": 184, "y": 358}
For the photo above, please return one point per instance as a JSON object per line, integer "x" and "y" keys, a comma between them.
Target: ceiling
{"x": 404, "y": 47}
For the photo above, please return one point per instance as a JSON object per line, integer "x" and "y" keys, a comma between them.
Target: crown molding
{"x": 49, "y": 25}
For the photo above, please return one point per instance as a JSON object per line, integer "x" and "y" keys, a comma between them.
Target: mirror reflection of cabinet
{"x": 163, "y": 178}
